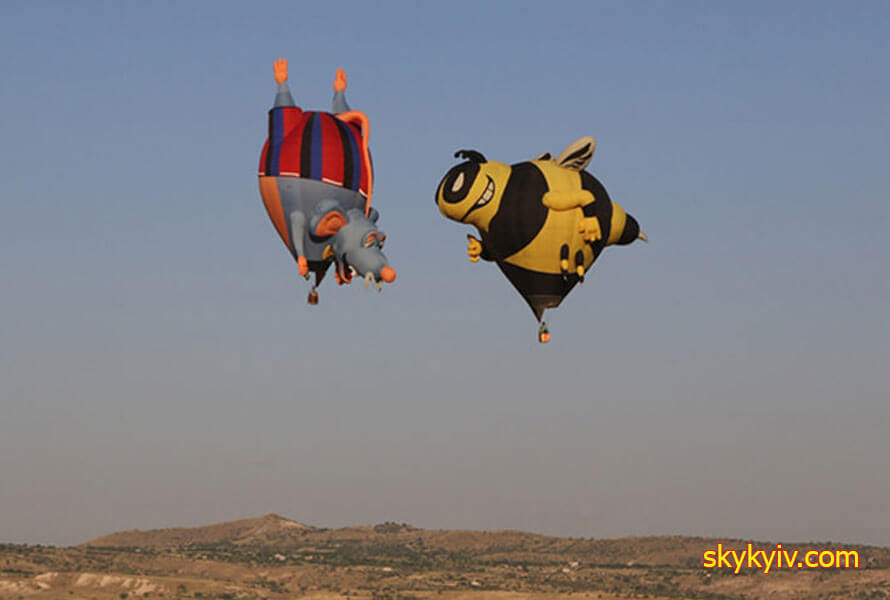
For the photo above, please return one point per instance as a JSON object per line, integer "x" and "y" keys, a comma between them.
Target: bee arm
{"x": 567, "y": 200}
{"x": 589, "y": 227}
{"x": 476, "y": 249}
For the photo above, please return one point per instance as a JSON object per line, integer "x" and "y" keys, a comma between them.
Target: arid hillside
{"x": 273, "y": 557}
{"x": 268, "y": 530}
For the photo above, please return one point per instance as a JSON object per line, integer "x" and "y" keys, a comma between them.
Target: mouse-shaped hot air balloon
{"x": 544, "y": 221}
{"x": 316, "y": 180}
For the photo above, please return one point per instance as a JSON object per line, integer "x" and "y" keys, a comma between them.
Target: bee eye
{"x": 458, "y": 181}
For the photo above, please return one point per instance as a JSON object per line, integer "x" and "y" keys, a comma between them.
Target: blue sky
{"x": 159, "y": 365}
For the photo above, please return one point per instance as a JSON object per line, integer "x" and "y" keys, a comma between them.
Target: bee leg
{"x": 564, "y": 261}
{"x": 579, "y": 265}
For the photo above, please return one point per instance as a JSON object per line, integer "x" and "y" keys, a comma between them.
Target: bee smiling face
{"x": 466, "y": 192}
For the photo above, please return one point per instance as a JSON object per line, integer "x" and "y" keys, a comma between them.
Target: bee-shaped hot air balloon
{"x": 316, "y": 180}
{"x": 544, "y": 221}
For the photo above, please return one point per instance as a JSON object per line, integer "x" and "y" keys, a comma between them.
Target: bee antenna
{"x": 471, "y": 155}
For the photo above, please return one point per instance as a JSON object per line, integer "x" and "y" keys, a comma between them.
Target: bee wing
{"x": 577, "y": 155}
{"x": 544, "y": 156}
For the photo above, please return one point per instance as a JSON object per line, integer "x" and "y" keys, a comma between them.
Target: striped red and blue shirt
{"x": 314, "y": 145}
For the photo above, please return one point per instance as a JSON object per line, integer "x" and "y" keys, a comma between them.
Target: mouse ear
{"x": 373, "y": 214}
{"x": 327, "y": 219}
{"x": 329, "y": 224}
{"x": 471, "y": 155}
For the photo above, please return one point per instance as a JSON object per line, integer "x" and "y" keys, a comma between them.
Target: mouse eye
{"x": 372, "y": 240}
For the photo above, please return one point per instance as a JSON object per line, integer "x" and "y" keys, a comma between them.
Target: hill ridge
{"x": 273, "y": 532}
{"x": 253, "y": 530}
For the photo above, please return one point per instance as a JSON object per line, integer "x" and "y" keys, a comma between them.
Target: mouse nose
{"x": 388, "y": 274}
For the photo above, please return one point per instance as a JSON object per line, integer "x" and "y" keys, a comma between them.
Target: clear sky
{"x": 159, "y": 365}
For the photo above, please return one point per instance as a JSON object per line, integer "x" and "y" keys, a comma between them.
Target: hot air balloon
{"x": 543, "y": 222}
{"x": 316, "y": 181}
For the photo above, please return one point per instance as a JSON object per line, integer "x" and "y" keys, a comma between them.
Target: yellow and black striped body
{"x": 536, "y": 219}
{"x": 525, "y": 237}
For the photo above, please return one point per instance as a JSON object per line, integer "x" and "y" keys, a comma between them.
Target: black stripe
{"x": 268, "y": 169}
{"x": 602, "y": 208}
{"x": 347, "y": 154}
{"x": 631, "y": 231}
{"x": 521, "y": 214}
{"x": 306, "y": 145}
{"x": 540, "y": 290}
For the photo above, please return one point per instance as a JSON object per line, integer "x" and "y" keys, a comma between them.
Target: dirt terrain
{"x": 273, "y": 557}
